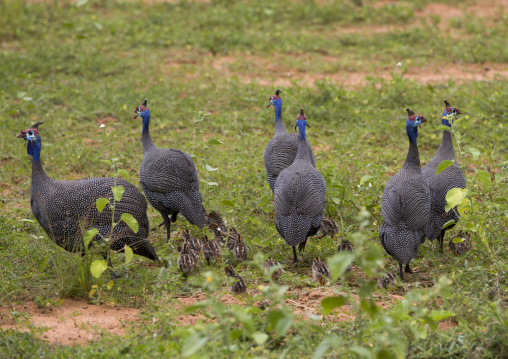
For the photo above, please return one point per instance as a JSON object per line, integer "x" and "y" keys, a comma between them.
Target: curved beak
{"x": 20, "y": 135}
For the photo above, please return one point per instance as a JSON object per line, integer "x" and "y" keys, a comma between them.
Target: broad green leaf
{"x": 210, "y": 168}
{"x": 336, "y": 200}
{"x": 98, "y": 267}
{"x": 442, "y": 128}
{"x": 92, "y": 292}
{"x": 260, "y": 338}
{"x": 100, "y": 203}
{"x": 118, "y": 192}
{"x": 474, "y": 152}
{"x": 365, "y": 179}
{"x": 27, "y": 220}
{"x": 213, "y": 141}
{"x": 123, "y": 173}
{"x": 339, "y": 263}
{"x": 484, "y": 178}
{"x": 130, "y": 221}
{"x": 458, "y": 240}
{"x": 193, "y": 343}
{"x": 330, "y": 303}
{"x": 227, "y": 202}
{"x": 438, "y": 315}
{"x": 283, "y": 325}
{"x": 443, "y": 165}
{"x": 451, "y": 222}
{"x": 128, "y": 254}
{"x": 108, "y": 162}
{"x": 89, "y": 235}
{"x": 432, "y": 324}
{"x": 454, "y": 197}
{"x": 110, "y": 284}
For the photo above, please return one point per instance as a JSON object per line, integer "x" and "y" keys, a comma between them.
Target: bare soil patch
{"x": 73, "y": 322}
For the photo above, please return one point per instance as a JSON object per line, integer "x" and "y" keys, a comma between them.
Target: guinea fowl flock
{"x": 413, "y": 202}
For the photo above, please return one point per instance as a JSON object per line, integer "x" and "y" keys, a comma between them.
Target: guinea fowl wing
{"x": 177, "y": 167}
{"x": 280, "y": 153}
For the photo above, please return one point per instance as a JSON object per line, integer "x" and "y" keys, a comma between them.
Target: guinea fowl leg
{"x": 167, "y": 222}
{"x": 409, "y": 270}
{"x": 295, "y": 256}
{"x": 173, "y": 217}
{"x": 301, "y": 246}
{"x": 441, "y": 239}
{"x": 401, "y": 272}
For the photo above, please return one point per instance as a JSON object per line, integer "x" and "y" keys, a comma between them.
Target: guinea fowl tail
{"x": 191, "y": 207}
{"x": 139, "y": 246}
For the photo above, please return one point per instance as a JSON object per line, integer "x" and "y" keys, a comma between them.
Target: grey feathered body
{"x": 299, "y": 198}
{"x": 65, "y": 209}
{"x": 439, "y": 185}
{"x": 170, "y": 182}
{"x": 405, "y": 208}
{"x": 281, "y": 151}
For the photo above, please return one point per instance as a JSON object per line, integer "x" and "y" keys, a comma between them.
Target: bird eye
{"x": 417, "y": 118}
{"x": 454, "y": 110}
{"x": 138, "y": 109}
{"x": 30, "y": 133}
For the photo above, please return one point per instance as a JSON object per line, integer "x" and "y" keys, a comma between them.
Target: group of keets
{"x": 413, "y": 204}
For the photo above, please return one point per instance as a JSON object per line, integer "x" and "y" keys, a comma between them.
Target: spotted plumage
{"x": 269, "y": 263}
{"x": 299, "y": 196}
{"x": 211, "y": 250}
{"x": 320, "y": 271}
{"x": 439, "y": 185}
{"x": 463, "y": 247}
{"x": 385, "y": 280}
{"x": 281, "y": 151}
{"x": 238, "y": 287}
{"x": 169, "y": 179}
{"x": 65, "y": 208}
{"x": 328, "y": 228}
{"x": 406, "y": 204}
{"x": 186, "y": 260}
{"x": 348, "y": 247}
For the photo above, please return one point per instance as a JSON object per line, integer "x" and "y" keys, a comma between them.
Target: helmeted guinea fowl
{"x": 346, "y": 246}
{"x": 463, "y": 247}
{"x": 269, "y": 263}
{"x": 299, "y": 195}
{"x": 169, "y": 179}
{"x": 328, "y": 228}
{"x": 320, "y": 271}
{"x": 65, "y": 208}
{"x": 238, "y": 287}
{"x": 406, "y": 204}
{"x": 280, "y": 152}
{"x": 439, "y": 185}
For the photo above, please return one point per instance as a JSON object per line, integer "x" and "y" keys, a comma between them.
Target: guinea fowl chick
{"x": 461, "y": 247}
{"x": 238, "y": 287}
{"x": 224, "y": 235}
{"x": 241, "y": 251}
{"x": 346, "y": 246}
{"x": 186, "y": 261}
{"x": 214, "y": 217}
{"x": 269, "y": 263}
{"x": 320, "y": 271}
{"x": 194, "y": 243}
{"x": 385, "y": 281}
{"x": 328, "y": 228}
{"x": 211, "y": 250}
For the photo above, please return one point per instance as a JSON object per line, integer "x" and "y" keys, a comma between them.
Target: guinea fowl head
{"x": 301, "y": 123}
{"x": 230, "y": 272}
{"x": 412, "y": 123}
{"x": 276, "y": 101}
{"x": 143, "y": 111}
{"x": 32, "y": 140}
{"x": 449, "y": 110}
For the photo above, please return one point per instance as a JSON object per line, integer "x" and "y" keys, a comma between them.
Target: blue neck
{"x": 444, "y": 121}
{"x": 412, "y": 131}
{"x": 278, "y": 109}
{"x": 145, "y": 115}
{"x": 301, "y": 128}
{"x": 33, "y": 148}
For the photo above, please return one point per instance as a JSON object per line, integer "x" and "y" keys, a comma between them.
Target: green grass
{"x": 75, "y": 67}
